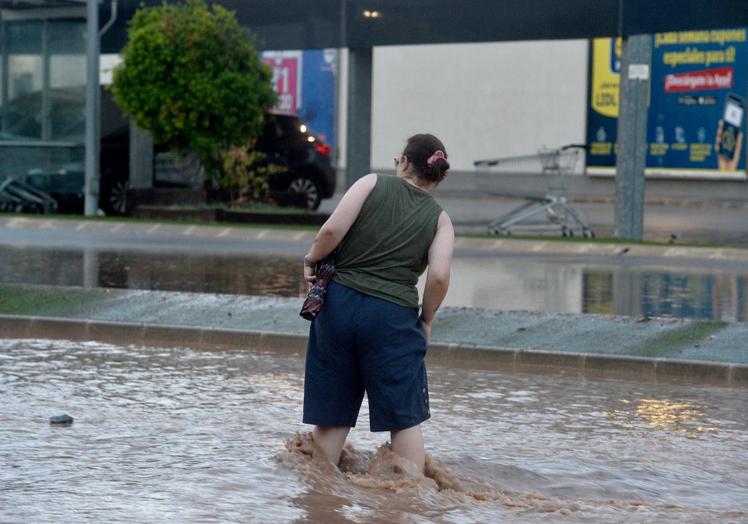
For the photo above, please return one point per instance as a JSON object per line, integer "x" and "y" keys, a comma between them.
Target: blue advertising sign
{"x": 305, "y": 82}
{"x": 696, "y": 120}
{"x": 317, "y": 107}
{"x": 699, "y": 83}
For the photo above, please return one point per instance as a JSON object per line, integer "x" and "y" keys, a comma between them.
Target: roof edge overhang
{"x": 303, "y": 24}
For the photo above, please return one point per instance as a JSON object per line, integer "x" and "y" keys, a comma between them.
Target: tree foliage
{"x": 191, "y": 76}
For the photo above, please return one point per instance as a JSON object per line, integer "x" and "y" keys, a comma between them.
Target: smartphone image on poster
{"x": 732, "y": 123}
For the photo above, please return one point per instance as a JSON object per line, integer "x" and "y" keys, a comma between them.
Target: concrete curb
{"x": 469, "y": 356}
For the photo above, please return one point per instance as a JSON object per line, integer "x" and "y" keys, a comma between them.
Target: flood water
{"x": 498, "y": 282}
{"x": 181, "y": 435}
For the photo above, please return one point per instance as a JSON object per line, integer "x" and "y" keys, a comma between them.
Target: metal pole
{"x": 358, "y": 146}
{"x": 340, "y": 127}
{"x": 632, "y": 136}
{"x": 339, "y": 82}
{"x": 92, "y": 108}
{"x": 46, "y": 84}
{"x": 4, "y": 72}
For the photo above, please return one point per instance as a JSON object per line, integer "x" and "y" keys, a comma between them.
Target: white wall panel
{"x": 482, "y": 100}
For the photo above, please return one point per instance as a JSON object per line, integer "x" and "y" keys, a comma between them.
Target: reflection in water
{"x": 245, "y": 275}
{"x": 199, "y": 436}
{"x": 718, "y": 296}
{"x": 504, "y": 283}
{"x": 664, "y": 415}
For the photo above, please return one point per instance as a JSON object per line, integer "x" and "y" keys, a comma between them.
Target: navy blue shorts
{"x": 363, "y": 343}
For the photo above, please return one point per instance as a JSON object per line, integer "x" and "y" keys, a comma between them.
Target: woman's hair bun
{"x": 438, "y": 170}
{"x": 427, "y": 153}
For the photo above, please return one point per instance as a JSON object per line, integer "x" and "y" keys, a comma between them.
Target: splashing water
{"x": 383, "y": 469}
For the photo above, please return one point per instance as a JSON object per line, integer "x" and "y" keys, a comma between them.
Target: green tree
{"x": 191, "y": 76}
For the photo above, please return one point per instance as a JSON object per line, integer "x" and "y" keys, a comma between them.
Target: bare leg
{"x": 331, "y": 440}
{"x": 408, "y": 443}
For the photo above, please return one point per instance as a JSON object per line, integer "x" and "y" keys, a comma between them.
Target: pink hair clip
{"x": 433, "y": 158}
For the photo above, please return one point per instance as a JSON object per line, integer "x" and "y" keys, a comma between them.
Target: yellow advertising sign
{"x": 606, "y": 78}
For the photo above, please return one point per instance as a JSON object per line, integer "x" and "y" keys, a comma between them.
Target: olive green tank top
{"x": 386, "y": 249}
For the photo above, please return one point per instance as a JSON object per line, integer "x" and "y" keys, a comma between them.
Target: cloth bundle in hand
{"x": 324, "y": 271}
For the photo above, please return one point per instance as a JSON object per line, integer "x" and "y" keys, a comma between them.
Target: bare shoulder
{"x": 440, "y": 252}
{"x": 445, "y": 223}
{"x": 366, "y": 182}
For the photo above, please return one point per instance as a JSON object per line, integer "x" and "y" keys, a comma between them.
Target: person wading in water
{"x": 369, "y": 335}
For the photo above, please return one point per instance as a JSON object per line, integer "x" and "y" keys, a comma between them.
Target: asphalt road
{"x": 218, "y": 240}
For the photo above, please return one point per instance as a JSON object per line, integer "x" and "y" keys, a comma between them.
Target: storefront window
{"x": 42, "y": 103}
{"x": 25, "y": 73}
{"x": 67, "y": 71}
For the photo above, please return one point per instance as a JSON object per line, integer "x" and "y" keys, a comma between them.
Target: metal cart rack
{"x": 555, "y": 165}
{"x": 19, "y": 197}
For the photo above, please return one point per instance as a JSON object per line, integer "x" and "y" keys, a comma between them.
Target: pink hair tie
{"x": 433, "y": 158}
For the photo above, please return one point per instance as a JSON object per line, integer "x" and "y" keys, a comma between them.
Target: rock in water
{"x": 61, "y": 420}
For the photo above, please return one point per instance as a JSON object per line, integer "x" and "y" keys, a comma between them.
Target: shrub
{"x": 245, "y": 174}
{"x": 191, "y": 76}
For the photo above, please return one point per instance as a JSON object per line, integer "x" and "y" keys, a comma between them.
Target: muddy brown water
{"x": 185, "y": 435}
{"x": 554, "y": 285}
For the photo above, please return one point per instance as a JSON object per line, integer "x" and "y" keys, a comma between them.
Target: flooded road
{"x": 182, "y": 435}
{"x": 505, "y": 282}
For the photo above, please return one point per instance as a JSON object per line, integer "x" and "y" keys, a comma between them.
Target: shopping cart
{"x": 555, "y": 166}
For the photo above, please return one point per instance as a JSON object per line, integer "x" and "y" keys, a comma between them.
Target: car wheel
{"x": 304, "y": 192}
{"x": 114, "y": 197}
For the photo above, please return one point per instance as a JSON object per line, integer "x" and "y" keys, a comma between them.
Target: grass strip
{"x": 672, "y": 341}
{"x": 44, "y": 300}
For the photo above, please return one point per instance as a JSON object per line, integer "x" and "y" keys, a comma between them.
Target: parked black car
{"x": 305, "y": 178}
{"x": 308, "y": 175}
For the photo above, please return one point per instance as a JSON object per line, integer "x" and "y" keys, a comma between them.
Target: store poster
{"x": 305, "y": 82}
{"x": 696, "y": 119}
{"x": 602, "y": 115}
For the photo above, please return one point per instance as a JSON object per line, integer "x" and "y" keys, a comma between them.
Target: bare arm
{"x": 341, "y": 220}
{"x": 440, "y": 266}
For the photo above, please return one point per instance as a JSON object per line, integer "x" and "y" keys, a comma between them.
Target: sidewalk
{"x": 594, "y": 345}
{"x": 691, "y": 221}
{"x": 686, "y": 222}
